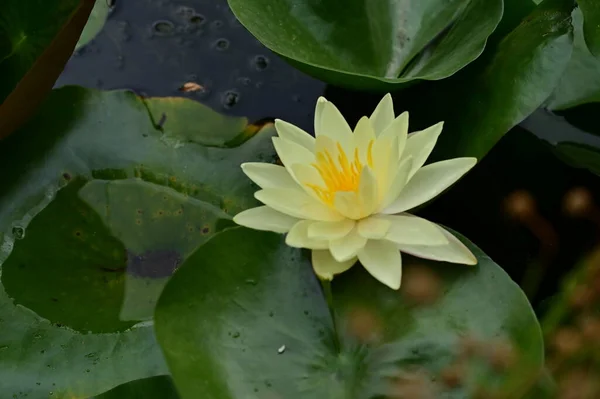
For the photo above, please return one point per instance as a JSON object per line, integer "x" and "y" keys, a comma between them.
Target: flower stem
{"x": 326, "y": 285}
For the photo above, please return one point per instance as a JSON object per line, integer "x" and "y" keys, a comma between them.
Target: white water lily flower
{"x": 345, "y": 194}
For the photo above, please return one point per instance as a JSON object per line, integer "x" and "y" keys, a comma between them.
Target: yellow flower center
{"x": 339, "y": 174}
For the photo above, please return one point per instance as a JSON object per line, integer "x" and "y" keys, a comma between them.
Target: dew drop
{"x": 260, "y": 62}
{"x": 18, "y": 232}
{"x": 163, "y": 28}
{"x": 230, "y": 98}
{"x": 197, "y": 19}
{"x": 221, "y": 44}
{"x": 235, "y": 335}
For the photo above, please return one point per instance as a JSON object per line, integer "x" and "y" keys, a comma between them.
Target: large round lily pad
{"x": 373, "y": 44}
{"x": 105, "y": 195}
{"x": 253, "y": 323}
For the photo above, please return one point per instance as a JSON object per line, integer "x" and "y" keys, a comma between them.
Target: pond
{"x": 129, "y": 169}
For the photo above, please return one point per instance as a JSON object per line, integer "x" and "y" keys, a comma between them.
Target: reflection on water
{"x": 98, "y": 256}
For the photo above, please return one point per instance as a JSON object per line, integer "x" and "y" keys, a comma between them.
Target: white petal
{"x": 319, "y": 112}
{"x": 347, "y": 203}
{"x": 398, "y": 129}
{"x": 429, "y": 182}
{"x": 363, "y": 136}
{"x": 347, "y": 247}
{"x": 367, "y": 192}
{"x": 298, "y": 237}
{"x": 296, "y": 203}
{"x": 267, "y": 175}
{"x": 385, "y": 163}
{"x": 265, "y": 218}
{"x": 413, "y": 230}
{"x": 334, "y": 125}
{"x": 383, "y": 114}
{"x": 326, "y": 267}
{"x": 420, "y": 144}
{"x": 392, "y": 167}
{"x": 374, "y": 227}
{"x": 397, "y": 184}
{"x": 291, "y": 153}
{"x": 330, "y": 230}
{"x": 383, "y": 261}
{"x": 293, "y": 133}
{"x": 453, "y": 252}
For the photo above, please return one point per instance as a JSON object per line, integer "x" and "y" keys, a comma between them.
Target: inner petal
{"x": 339, "y": 171}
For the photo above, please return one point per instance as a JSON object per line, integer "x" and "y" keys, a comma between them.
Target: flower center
{"x": 341, "y": 174}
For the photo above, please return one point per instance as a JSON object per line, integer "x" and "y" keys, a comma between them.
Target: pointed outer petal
{"x": 265, "y": 218}
{"x": 296, "y": 203}
{"x": 383, "y": 114}
{"x": 330, "y": 230}
{"x": 413, "y": 230}
{"x": 397, "y": 184}
{"x": 363, "y": 135}
{"x": 319, "y": 112}
{"x": 453, "y": 252}
{"x": 399, "y": 129}
{"x": 383, "y": 261}
{"x": 291, "y": 153}
{"x": 290, "y": 132}
{"x": 347, "y": 247}
{"x": 420, "y": 144}
{"x": 298, "y": 237}
{"x": 326, "y": 267}
{"x": 347, "y": 203}
{"x": 267, "y": 175}
{"x": 430, "y": 181}
{"x": 374, "y": 228}
{"x": 334, "y": 125}
{"x": 367, "y": 192}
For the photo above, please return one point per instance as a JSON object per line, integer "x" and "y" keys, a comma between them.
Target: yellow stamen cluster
{"x": 343, "y": 175}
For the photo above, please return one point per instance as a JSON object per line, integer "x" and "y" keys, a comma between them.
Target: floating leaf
{"x": 94, "y": 219}
{"x": 580, "y": 155}
{"x": 506, "y": 85}
{"x": 36, "y": 40}
{"x": 148, "y": 388}
{"x": 580, "y": 83}
{"x": 254, "y": 323}
{"x": 95, "y": 22}
{"x": 591, "y": 25}
{"x": 373, "y": 44}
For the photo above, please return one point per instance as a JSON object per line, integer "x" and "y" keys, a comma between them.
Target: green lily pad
{"x": 580, "y": 156}
{"x": 95, "y": 22}
{"x": 505, "y": 85}
{"x": 254, "y": 323}
{"x": 591, "y": 25}
{"x": 160, "y": 387}
{"x": 36, "y": 40}
{"x": 94, "y": 219}
{"x": 580, "y": 83}
{"x": 373, "y": 44}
